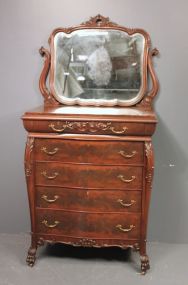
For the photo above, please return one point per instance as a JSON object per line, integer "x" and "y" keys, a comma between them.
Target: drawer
{"x": 88, "y": 176}
{"x": 89, "y": 127}
{"x": 97, "y": 152}
{"x": 88, "y": 200}
{"x": 117, "y": 225}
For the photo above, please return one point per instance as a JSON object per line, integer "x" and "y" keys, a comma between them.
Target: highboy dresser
{"x": 89, "y": 158}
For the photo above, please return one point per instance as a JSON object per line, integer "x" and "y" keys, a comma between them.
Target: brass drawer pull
{"x": 45, "y": 198}
{"x": 124, "y": 154}
{"x": 121, "y": 177}
{"x": 52, "y": 126}
{"x": 118, "y": 132}
{"x": 45, "y": 222}
{"x": 119, "y": 227}
{"x": 44, "y": 149}
{"x": 44, "y": 173}
{"x": 126, "y": 204}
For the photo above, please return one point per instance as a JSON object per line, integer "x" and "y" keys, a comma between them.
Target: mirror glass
{"x": 97, "y": 67}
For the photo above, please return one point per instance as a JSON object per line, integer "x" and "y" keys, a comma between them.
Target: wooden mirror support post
{"x": 89, "y": 158}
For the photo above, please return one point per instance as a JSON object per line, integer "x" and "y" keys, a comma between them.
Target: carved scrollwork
{"x": 85, "y": 242}
{"x": 154, "y": 52}
{"x": 149, "y": 97}
{"x": 152, "y": 93}
{"x": 80, "y": 126}
{"x": 28, "y": 170}
{"x": 93, "y": 243}
{"x": 40, "y": 242}
{"x": 99, "y": 20}
{"x": 91, "y": 127}
{"x": 48, "y": 97}
{"x": 136, "y": 247}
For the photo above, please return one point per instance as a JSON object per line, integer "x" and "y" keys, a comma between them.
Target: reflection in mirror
{"x": 96, "y": 66}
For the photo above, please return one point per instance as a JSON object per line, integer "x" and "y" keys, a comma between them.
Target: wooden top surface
{"x": 80, "y": 112}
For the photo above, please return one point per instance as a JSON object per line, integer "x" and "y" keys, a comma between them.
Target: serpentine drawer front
{"x": 89, "y": 176}
{"x": 89, "y": 157}
{"x": 97, "y": 152}
{"x": 88, "y": 200}
{"x": 88, "y": 224}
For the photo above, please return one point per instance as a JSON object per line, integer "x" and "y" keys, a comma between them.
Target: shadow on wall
{"x": 14, "y": 212}
{"x": 169, "y": 211}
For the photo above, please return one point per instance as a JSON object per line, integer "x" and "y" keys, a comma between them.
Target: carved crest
{"x": 100, "y": 21}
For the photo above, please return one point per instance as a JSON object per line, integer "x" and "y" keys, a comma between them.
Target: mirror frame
{"x": 144, "y": 96}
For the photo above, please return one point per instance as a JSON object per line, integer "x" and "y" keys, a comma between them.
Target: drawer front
{"x": 88, "y": 176}
{"x": 119, "y": 225}
{"x": 98, "y": 152}
{"x": 88, "y": 200}
{"x": 87, "y": 127}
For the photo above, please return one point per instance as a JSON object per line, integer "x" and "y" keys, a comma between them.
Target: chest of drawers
{"x": 89, "y": 158}
{"x": 88, "y": 185}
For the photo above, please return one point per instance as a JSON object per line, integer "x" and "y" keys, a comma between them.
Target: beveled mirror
{"x": 98, "y": 63}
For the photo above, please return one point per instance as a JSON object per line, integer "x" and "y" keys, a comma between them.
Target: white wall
{"x": 24, "y": 27}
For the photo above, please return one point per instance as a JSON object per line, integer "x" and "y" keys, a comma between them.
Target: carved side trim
{"x": 29, "y": 173}
{"x": 149, "y": 169}
{"x": 48, "y": 97}
{"x": 28, "y": 156}
{"x": 149, "y": 165}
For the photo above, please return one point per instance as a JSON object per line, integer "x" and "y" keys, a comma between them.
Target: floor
{"x": 66, "y": 265}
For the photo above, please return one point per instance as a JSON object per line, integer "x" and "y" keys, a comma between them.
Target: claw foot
{"x": 31, "y": 257}
{"x": 144, "y": 264}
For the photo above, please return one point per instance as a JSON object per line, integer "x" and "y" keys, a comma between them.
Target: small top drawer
{"x": 89, "y": 127}
{"x": 95, "y": 152}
